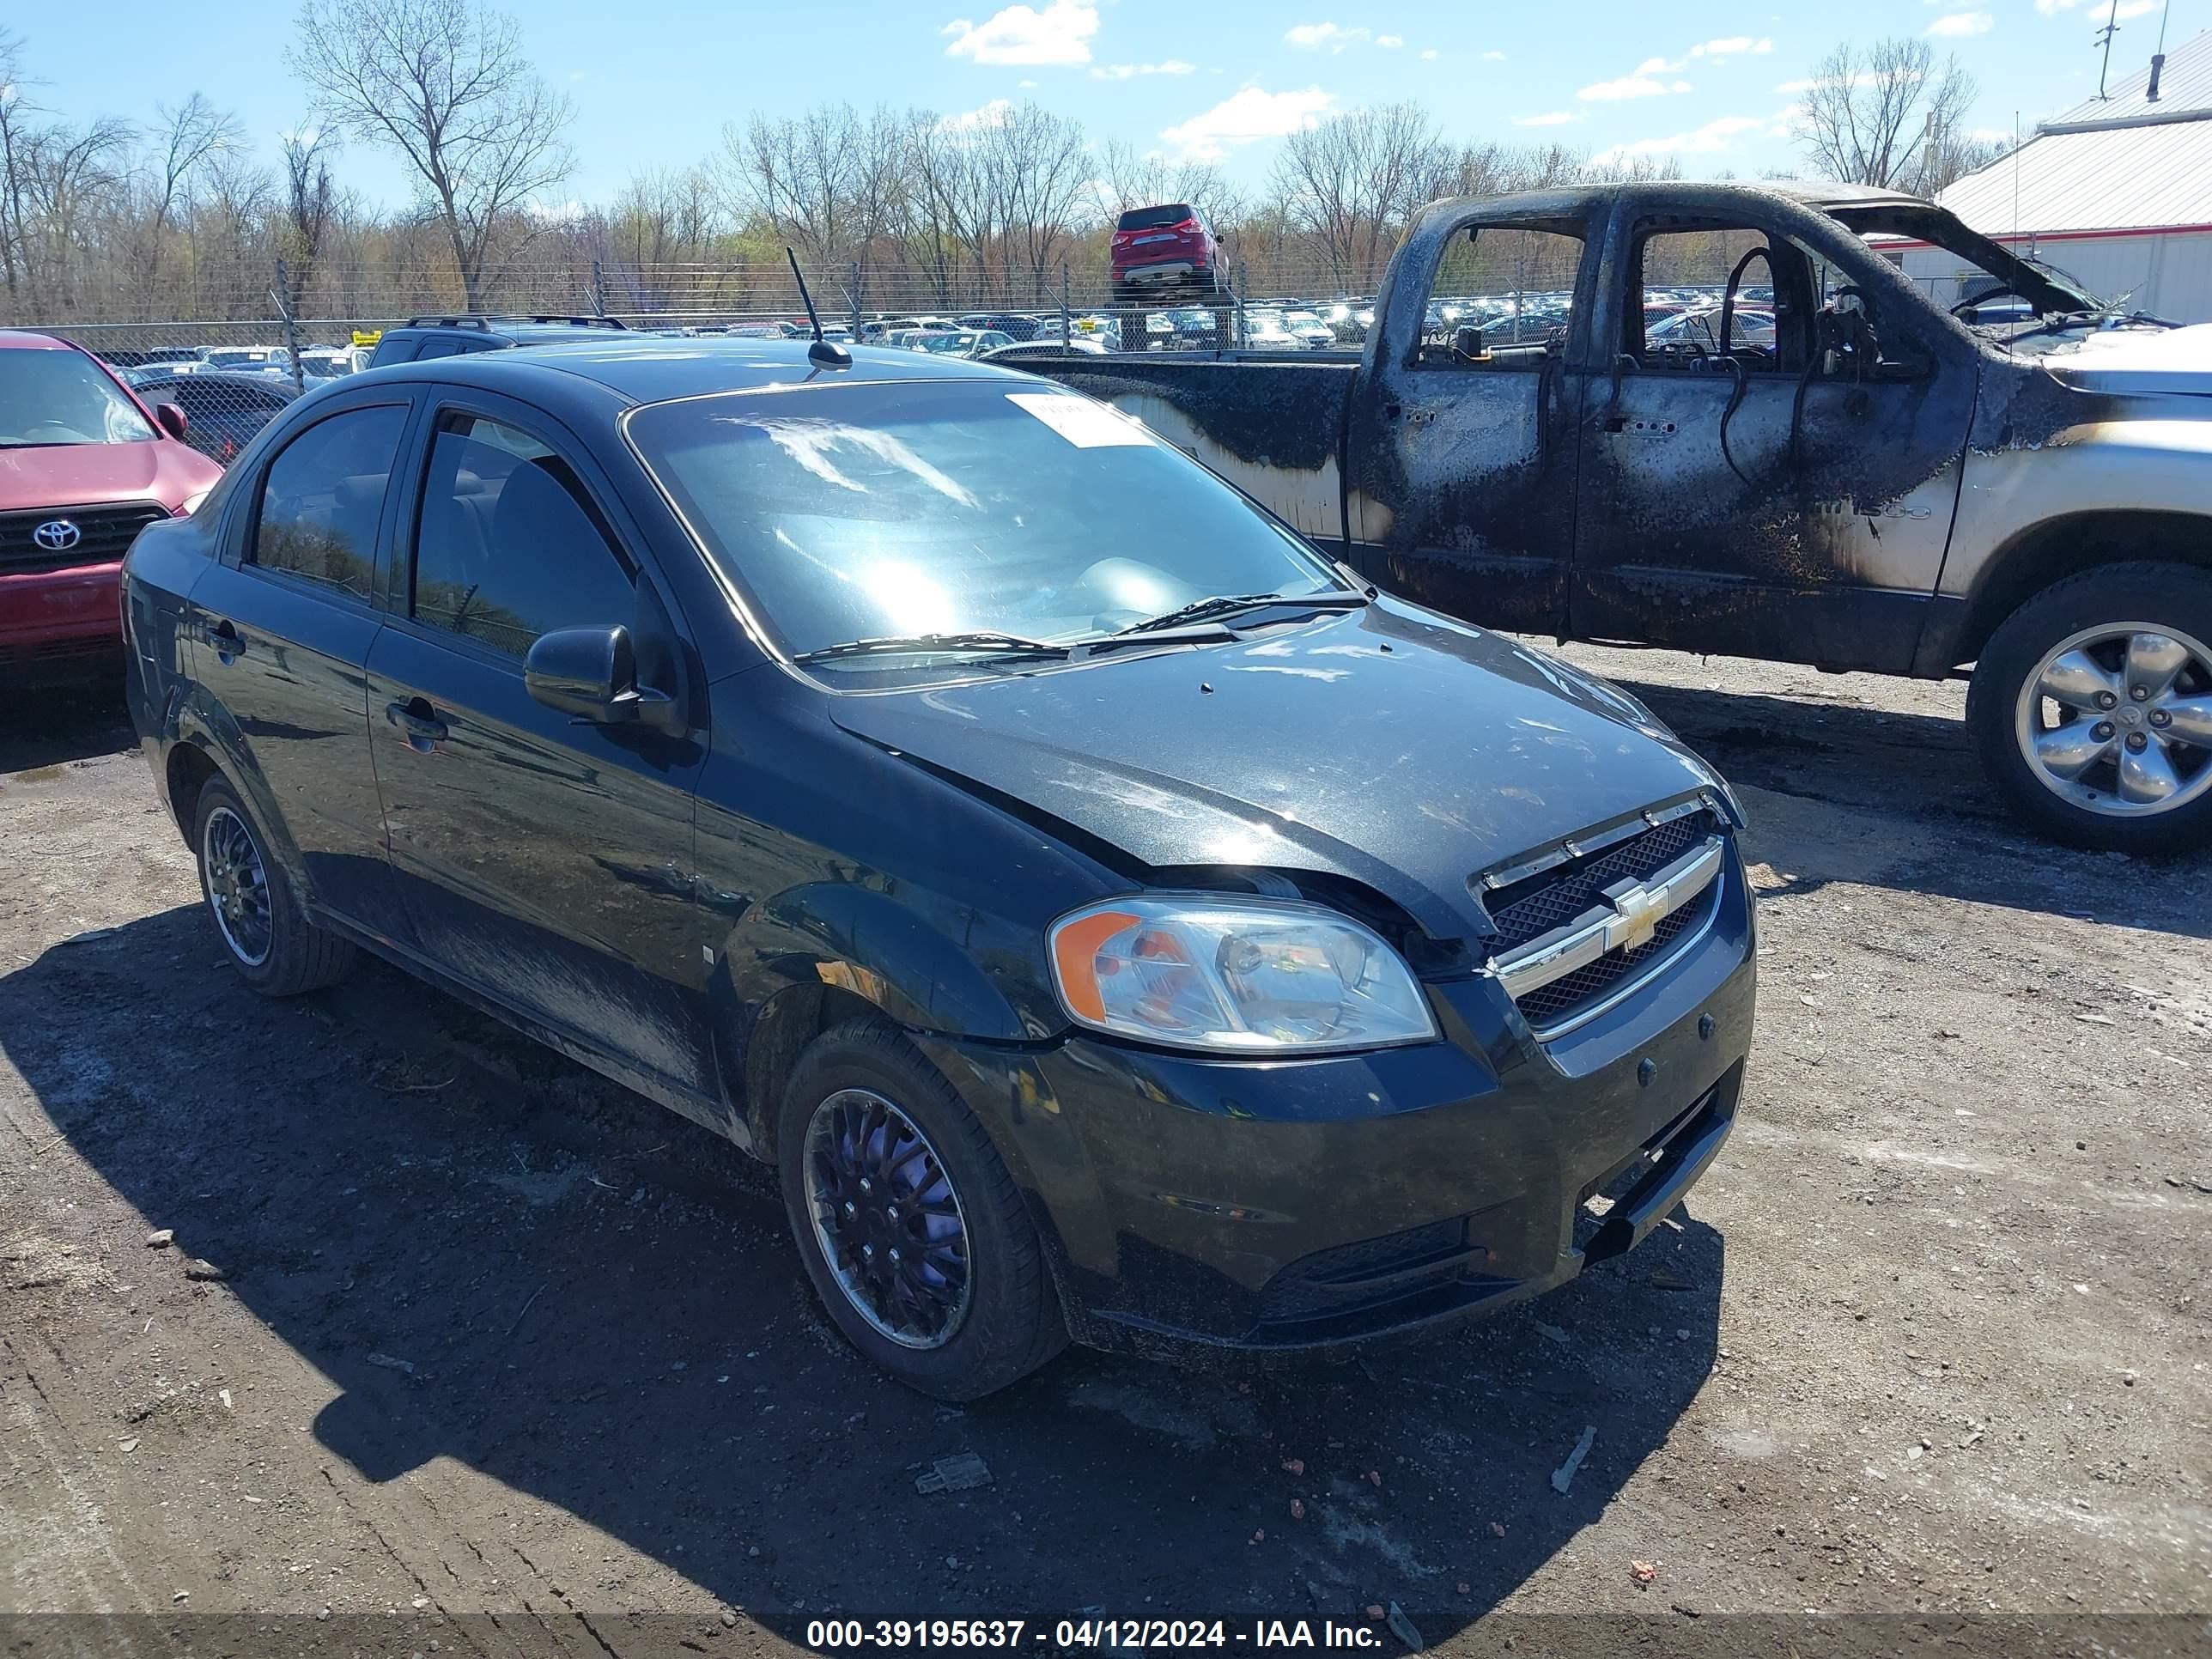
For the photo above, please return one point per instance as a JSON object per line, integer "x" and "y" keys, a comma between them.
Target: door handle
{"x": 424, "y": 729}
{"x": 226, "y": 641}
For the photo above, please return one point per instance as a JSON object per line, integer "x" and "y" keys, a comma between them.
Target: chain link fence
{"x": 230, "y": 377}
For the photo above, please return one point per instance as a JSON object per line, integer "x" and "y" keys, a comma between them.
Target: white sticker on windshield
{"x": 1085, "y": 424}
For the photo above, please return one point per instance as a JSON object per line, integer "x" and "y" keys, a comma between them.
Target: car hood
{"x": 87, "y": 475}
{"x": 1389, "y": 745}
{"x": 2139, "y": 361}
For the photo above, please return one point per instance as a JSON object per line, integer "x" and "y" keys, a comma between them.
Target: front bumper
{"x": 1299, "y": 1206}
{"x": 56, "y": 624}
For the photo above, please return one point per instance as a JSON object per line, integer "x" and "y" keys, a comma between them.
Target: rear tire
{"x": 258, "y": 919}
{"x": 2101, "y": 638}
{"x": 865, "y": 1119}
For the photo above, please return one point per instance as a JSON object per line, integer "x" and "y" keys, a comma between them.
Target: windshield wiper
{"x": 982, "y": 641}
{"x": 1229, "y": 604}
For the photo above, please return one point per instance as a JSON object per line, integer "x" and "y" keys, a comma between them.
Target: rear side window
{"x": 323, "y": 497}
{"x": 1154, "y": 218}
{"x": 447, "y": 346}
{"x": 392, "y": 349}
{"x": 509, "y": 545}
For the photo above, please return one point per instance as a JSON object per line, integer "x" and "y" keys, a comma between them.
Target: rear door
{"x": 281, "y": 626}
{"x": 1463, "y": 460}
{"x": 543, "y": 862}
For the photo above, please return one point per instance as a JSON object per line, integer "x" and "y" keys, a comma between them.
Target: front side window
{"x": 880, "y": 511}
{"x": 508, "y": 545}
{"x": 322, "y": 497}
{"x": 52, "y": 398}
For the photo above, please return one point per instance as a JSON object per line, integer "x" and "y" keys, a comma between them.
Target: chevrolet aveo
{"x": 1117, "y": 925}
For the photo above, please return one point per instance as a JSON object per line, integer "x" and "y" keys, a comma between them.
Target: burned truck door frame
{"x": 1793, "y": 505}
{"x": 1461, "y": 474}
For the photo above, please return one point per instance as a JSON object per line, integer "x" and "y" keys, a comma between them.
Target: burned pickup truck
{"x": 1830, "y": 466}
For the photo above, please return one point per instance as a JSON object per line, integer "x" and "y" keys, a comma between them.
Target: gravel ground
{"x": 449, "y": 1327}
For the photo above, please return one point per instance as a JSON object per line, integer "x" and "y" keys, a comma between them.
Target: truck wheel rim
{"x": 887, "y": 1218}
{"x": 2117, "y": 719}
{"x": 237, "y": 886}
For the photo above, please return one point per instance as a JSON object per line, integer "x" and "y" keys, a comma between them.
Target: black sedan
{"x": 1127, "y": 926}
{"x": 221, "y": 411}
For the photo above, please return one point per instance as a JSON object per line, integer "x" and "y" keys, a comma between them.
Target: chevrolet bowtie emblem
{"x": 1640, "y": 911}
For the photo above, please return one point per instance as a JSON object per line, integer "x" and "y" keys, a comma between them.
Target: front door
{"x": 544, "y": 862}
{"x": 1784, "y": 492}
{"x": 281, "y": 626}
{"x": 1464, "y": 461}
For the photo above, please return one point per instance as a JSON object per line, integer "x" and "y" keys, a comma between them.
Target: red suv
{"x": 1166, "y": 251}
{"x": 83, "y": 467}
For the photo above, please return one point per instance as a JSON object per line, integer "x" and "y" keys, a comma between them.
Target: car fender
{"x": 201, "y": 721}
{"x": 2118, "y": 464}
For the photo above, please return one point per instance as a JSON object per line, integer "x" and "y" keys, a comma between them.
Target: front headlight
{"x": 1234, "y": 975}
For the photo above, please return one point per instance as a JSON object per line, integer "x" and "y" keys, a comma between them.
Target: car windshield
{"x": 881, "y": 511}
{"x": 50, "y": 397}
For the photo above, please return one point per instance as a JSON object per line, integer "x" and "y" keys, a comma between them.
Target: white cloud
{"x": 1657, "y": 66}
{"x": 2053, "y": 8}
{"x": 1962, "y": 25}
{"x": 1390, "y": 42}
{"x": 2135, "y": 9}
{"x": 1127, "y": 71}
{"x": 1638, "y": 85}
{"x": 1311, "y": 36}
{"x": 1246, "y": 118}
{"x": 1494, "y": 57}
{"x": 1786, "y": 88}
{"x": 1718, "y": 134}
{"x": 1733, "y": 45}
{"x": 996, "y": 114}
{"x": 1060, "y": 33}
{"x": 1429, "y": 56}
{"x": 1557, "y": 118}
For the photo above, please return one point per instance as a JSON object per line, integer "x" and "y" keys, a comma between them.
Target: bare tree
{"x": 187, "y": 139}
{"x": 1884, "y": 114}
{"x": 832, "y": 182}
{"x": 444, "y": 83}
{"x": 310, "y": 202}
{"x": 1354, "y": 181}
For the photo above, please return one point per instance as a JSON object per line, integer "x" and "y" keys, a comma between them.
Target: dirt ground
{"x": 449, "y": 1327}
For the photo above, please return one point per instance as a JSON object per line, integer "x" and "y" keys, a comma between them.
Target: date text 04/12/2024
{"x": 1100, "y": 1634}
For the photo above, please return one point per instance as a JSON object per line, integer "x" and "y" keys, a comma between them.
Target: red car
{"x": 1166, "y": 252}
{"x": 84, "y": 466}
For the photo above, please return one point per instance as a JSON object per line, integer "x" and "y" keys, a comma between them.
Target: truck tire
{"x": 944, "y": 1286}
{"x": 258, "y": 919}
{"x": 2092, "y": 708}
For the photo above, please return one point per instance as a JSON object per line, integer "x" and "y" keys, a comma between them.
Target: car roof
{"x": 17, "y": 339}
{"x": 646, "y": 370}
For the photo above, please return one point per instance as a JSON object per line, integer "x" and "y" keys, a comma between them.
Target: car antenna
{"x": 828, "y": 353}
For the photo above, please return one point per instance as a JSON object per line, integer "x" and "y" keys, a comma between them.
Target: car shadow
{"x": 498, "y": 1258}
{"x": 53, "y": 727}
{"x": 1918, "y": 813}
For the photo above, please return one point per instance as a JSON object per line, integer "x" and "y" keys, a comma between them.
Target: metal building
{"x": 2116, "y": 193}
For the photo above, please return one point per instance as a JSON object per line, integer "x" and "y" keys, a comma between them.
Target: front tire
{"x": 2092, "y": 708}
{"x": 258, "y": 919}
{"x": 911, "y": 1229}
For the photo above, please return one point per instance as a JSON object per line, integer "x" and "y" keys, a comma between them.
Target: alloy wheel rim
{"x": 887, "y": 1218}
{"x": 237, "y": 886}
{"x": 2117, "y": 719}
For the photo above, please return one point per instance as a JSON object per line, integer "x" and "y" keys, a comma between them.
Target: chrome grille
{"x": 1548, "y": 1006}
{"x": 104, "y": 535}
{"x": 1532, "y": 906}
{"x": 1582, "y": 923}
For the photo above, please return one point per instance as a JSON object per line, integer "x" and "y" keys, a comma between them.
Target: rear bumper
{"x": 1159, "y": 272}
{"x": 61, "y": 624}
{"x": 1307, "y": 1206}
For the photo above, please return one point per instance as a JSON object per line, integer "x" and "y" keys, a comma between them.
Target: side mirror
{"x": 590, "y": 675}
{"x": 170, "y": 417}
{"x": 1467, "y": 344}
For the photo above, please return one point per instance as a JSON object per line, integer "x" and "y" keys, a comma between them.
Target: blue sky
{"x": 654, "y": 81}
